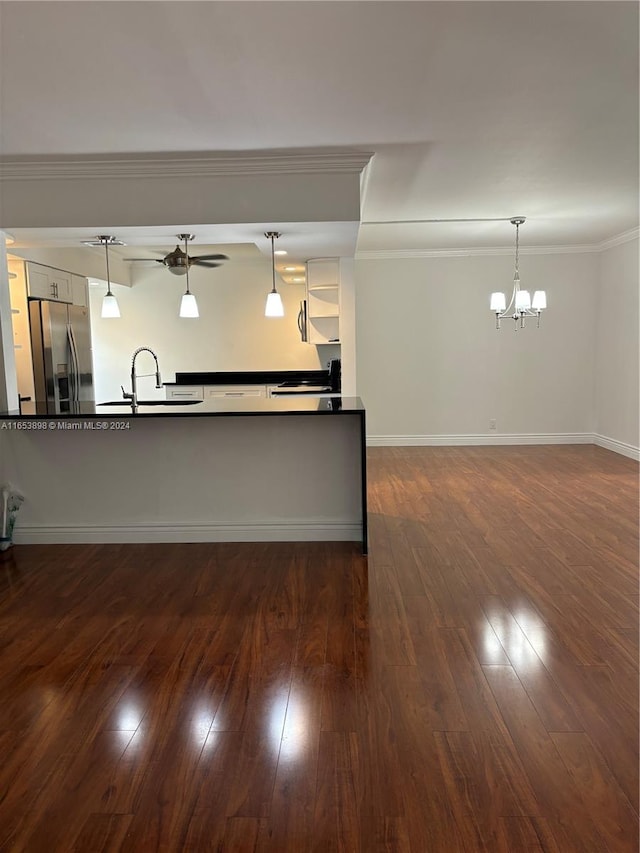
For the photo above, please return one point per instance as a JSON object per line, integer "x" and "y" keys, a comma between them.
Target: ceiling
{"x": 474, "y": 110}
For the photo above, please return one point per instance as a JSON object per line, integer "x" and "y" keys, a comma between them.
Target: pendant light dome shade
{"x": 189, "y": 306}
{"x": 274, "y": 306}
{"x": 110, "y": 307}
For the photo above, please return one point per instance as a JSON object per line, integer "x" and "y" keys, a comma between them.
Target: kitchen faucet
{"x": 133, "y": 396}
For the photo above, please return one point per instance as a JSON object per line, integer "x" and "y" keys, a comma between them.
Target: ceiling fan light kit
{"x": 520, "y": 305}
{"x": 110, "y": 308}
{"x": 178, "y": 261}
{"x": 273, "y": 306}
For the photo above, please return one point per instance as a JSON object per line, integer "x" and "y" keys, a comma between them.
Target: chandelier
{"x": 520, "y": 305}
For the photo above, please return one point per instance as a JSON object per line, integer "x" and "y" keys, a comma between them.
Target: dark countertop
{"x": 215, "y": 407}
{"x": 252, "y": 377}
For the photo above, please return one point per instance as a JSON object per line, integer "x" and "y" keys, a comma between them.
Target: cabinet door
{"x": 61, "y": 283}
{"x": 79, "y": 291}
{"x": 217, "y": 391}
{"x": 38, "y": 283}
{"x": 184, "y": 392}
{"x": 48, "y": 283}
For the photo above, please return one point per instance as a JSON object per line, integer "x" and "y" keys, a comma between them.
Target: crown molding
{"x": 469, "y": 253}
{"x": 394, "y": 254}
{"x": 619, "y": 239}
{"x": 199, "y": 166}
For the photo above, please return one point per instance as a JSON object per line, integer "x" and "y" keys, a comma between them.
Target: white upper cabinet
{"x": 48, "y": 283}
{"x": 80, "y": 291}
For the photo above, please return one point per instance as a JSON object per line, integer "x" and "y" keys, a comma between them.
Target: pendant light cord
{"x": 517, "y": 249}
{"x": 273, "y": 265}
{"x": 106, "y": 254}
{"x": 186, "y": 241}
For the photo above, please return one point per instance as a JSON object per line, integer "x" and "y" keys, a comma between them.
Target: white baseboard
{"x": 312, "y": 531}
{"x": 480, "y": 439}
{"x": 504, "y": 439}
{"x": 617, "y": 446}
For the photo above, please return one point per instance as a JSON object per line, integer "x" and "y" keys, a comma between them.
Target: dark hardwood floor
{"x": 472, "y": 687}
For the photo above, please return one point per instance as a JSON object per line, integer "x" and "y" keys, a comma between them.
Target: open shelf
{"x": 323, "y": 301}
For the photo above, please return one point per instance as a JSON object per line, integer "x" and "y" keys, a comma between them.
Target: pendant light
{"x": 274, "y": 306}
{"x": 188, "y": 305}
{"x": 521, "y": 303}
{"x": 110, "y": 308}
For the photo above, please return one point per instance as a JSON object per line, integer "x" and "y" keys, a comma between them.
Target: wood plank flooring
{"x": 473, "y": 686}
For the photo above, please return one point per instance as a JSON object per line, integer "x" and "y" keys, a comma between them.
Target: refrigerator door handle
{"x": 74, "y": 372}
{"x": 302, "y": 321}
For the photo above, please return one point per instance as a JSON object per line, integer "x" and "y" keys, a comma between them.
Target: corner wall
{"x": 617, "y": 350}
{"x": 432, "y": 369}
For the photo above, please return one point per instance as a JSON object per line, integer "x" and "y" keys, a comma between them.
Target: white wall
{"x": 431, "y": 363}
{"x": 617, "y": 346}
{"x": 231, "y": 333}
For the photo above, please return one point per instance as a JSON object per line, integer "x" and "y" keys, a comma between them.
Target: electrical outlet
{"x": 492, "y": 423}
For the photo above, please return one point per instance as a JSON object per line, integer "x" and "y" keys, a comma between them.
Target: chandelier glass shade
{"x": 520, "y": 305}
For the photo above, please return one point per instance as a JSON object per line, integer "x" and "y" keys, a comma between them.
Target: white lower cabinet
{"x": 185, "y": 392}
{"x": 209, "y": 392}
{"x": 235, "y": 391}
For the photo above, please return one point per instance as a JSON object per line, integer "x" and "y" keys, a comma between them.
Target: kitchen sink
{"x": 151, "y": 403}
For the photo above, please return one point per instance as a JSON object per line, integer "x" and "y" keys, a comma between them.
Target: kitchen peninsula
{"x": 274, "y": 469}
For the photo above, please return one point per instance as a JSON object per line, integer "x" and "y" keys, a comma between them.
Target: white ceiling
{"x": 475, "y": 110}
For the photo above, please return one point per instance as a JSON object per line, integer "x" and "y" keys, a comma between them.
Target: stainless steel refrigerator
{"x": 61, "y": 352}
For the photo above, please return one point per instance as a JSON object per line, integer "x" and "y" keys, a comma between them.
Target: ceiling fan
{"x": 177, "y": 261}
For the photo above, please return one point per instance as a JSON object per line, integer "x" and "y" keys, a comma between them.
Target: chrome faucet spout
{"x": 134, "y": 377}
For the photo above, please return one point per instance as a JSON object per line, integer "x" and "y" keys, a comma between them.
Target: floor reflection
{"x": 507, "y": 632}
{"x": 296, "y": 728}
{"x": 200, "y": 722}
{"x": 129, "y": 716}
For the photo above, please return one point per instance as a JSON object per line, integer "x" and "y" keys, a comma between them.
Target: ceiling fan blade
{"x": 208, "y": 257}
{"x": 151, "y": 260}
{"x": 199, "y": 263}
